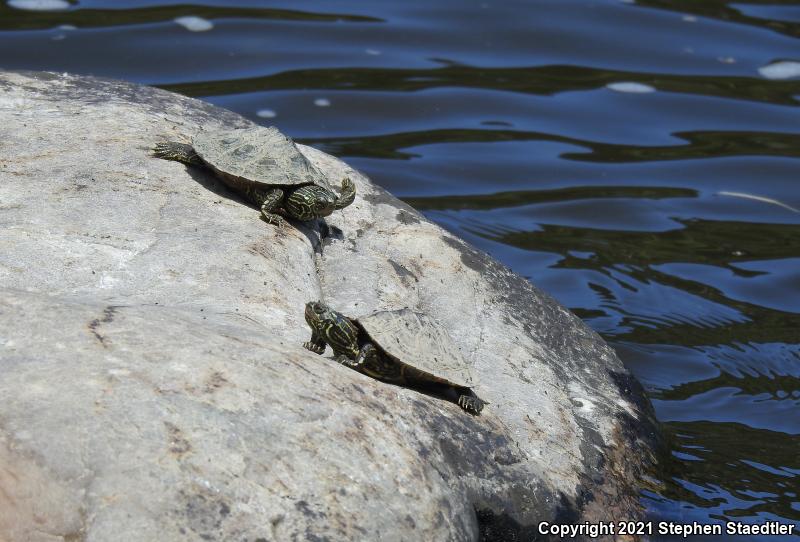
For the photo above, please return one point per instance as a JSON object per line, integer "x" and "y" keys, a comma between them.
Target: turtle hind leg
{"x": 367, "y": 354}
{"x": 180, "y": 152}
{"x": 462, "y": 396}
{"x": 470, "y": 402}
{"x": 347, "y": 195}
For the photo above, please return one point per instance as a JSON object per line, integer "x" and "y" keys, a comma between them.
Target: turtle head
{"x": 317, "y": 313}
{"x": 309, "y": 202}
{"x": 324, "y": 203}
{"x": 332, "y": 327}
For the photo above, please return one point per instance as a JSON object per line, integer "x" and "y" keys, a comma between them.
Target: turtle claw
{"x": 275, "y": 220}
{"x": 471, "y": 404}
{"x": 344, "y": 360}
{"x": 161, "y": 150}
{"x": 313, "y": 347}
{"x": 180, "y": 152}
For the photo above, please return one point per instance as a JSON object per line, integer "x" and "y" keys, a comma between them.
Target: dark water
{"x": 669, "y": 220}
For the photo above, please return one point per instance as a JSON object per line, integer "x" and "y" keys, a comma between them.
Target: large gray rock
{"x": 154, "y": 386}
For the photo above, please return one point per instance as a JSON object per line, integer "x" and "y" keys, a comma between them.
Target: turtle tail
{"x": 347, "y": 196}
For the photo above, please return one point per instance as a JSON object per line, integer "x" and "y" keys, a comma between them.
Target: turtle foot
{"x": 313, "y": 347}
{"x": 471, "y": 404}
{"x": 344, "y": 360}
{"x": 180, "y": 152}
{"x": 274, "y": 219}
{"x": 348, "y": 194}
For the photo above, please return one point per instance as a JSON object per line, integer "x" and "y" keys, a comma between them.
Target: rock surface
{"x": 154, "y": 384}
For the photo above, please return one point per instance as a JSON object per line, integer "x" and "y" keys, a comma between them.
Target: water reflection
{"x": 705, "y": 144}
{"x": 16, "y": 20}
{"x": 630, "y": 260}
{"x": 711, "y": 242}
{"x": 544, "y": 80}
{"x": 725, "y": 459}
{"x": 519, "y": 198}
{"x": 729, "y": 12}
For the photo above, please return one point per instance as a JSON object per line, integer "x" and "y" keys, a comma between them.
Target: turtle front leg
{"x": 347, "y": 195}
{"x": 180, "y": 152}
{"x": 272, "y": 202}
{"x": 316, "y": 344}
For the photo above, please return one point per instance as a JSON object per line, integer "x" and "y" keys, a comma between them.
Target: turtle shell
{"x": 419, "y": 341}
{"x": 258, "y": 155}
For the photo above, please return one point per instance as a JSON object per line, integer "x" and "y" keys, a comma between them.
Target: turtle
{"x": 399, "y": 346}
{"x": 266, "y": 167}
